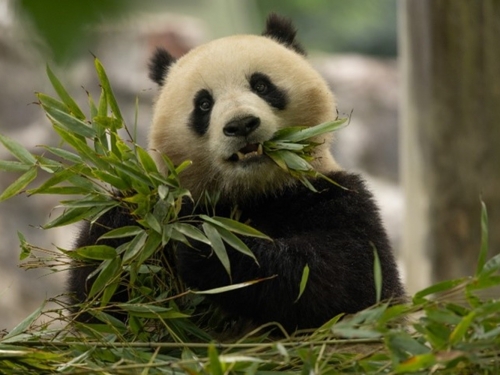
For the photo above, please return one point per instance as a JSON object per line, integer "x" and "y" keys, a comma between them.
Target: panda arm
{"x": 330, "y": 231}
{"x": 78, "y": 283}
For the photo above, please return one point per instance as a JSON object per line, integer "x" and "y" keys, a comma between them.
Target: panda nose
{"x": 242, "y": 126}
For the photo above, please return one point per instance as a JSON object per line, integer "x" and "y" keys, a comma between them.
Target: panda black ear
{"x": 282, "y": 30}
{"x": 159, "y": 64}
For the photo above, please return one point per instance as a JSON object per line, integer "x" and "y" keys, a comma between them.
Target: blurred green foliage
{"x": 63, "y": 25}
{"x": 364, "y": 26}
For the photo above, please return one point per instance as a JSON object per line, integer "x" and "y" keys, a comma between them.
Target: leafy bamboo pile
{"x": 445, "y": 329}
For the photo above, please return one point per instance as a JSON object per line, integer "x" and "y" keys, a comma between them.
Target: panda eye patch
{"x": 262, "y": 86}
{"x": 203, "y": 103}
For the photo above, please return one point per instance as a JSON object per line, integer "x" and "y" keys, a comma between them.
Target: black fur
{"x": 273, "y": 95}
{"x": 200, "y": 116}
{"x": 331, "y": 231}
{"x": 282, "y": 30}
{"x": 159, "y": 64}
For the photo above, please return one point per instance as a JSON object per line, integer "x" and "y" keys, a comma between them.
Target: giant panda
{"x": 216, "y": 106}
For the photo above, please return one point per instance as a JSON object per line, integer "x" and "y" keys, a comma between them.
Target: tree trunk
{"x": 450, "y": 53}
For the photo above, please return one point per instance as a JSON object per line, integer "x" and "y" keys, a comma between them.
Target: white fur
{"x": 223, "y": 67}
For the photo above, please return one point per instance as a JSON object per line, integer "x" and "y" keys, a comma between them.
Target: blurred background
{"x": 353, "y": 44}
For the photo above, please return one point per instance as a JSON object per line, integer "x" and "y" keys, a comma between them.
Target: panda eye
{"x": 205, "y": 105}
{"x": 260, "y": 87}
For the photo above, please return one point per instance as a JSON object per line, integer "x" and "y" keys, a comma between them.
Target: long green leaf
{"x": 237, "y": 244}
{"x": 63, "y": 94}
{"x": 104, "y": 81}
{"x": 135, "y": 246}
{"x": 377, "y": 274}
{"x": 24, "y": 325}
{"x": 303, "y": 282}
{"x": 217, "y": 245}
{"x": 483, "y": 253}
{"x": 191, "y": 231}
{"x": 122, "y": 232}
{"x": 65, "y": 154}
{"x": 18, "y": 185}
{"x": 304, "y": 133}
{"x": 110, "y": 271}
{"x": 17, "y": 150}
{"x": 98, "y": 252}
{"x": 13, "y": 166}
{"x": 234, "y": 226}
{"x": 70, "y": 123}
{"x": 73, "y": 215}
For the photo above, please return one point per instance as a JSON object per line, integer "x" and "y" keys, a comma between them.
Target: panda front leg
{"x": 333, "y": 232}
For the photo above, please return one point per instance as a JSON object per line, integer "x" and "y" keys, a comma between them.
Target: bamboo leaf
{"x": 17, "y": 150}
{"x": 217, "y": 245}
{"x": 461, "y": 329}
{"x": 229, "y": 288}
{"x": 436, "y": 288}
{"x": 294, "y": 161}
{"x": 122, "y": 232}
{"x": 24, "y": 325}
{"x": 73, "y": 215}
{"x": 215, "y": 364}
{"x": 297, "y": 134}
{"x": 13, "y": 166}
{"x": 146, "y": 160}
{"x": 57, "y": 178}
{"x": 234, "y": 226}
{"x": 377, "y": 274}
{"x": 63, "y": 94}
{"x": 66, "y": 155}
{"x": 97, "y": 252}
{"x": 51, "y": 102}
{"x": 110, "y": 271}
{"x": 236, "y": 243}
{"x": 191, "y": 231}
{"x": 110, "y": 98}
{"x": 303, "y": 282}
{"x": 18, "y": 185}
{"x": 484, "y": 239}
{"x": 70, "y": 123}
{"x": 135, "y": 246}
{"x": 153, "y": 242}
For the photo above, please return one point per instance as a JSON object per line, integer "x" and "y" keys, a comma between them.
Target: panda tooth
{"x": 241, "y": 155}
{"x": 259, "y": 149}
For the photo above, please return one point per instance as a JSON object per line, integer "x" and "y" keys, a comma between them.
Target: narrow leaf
{"x": 191, "y": 231}
{"x": 236, "y": 243}
{"x": 234, "y": 226}
{"x": 483, "y": 254}
{"x": 377, "y": 274}
{"x": 63, "y": 94}
{"x": 13, "y": 166}
{"x": 104, "y": 81}
{"x": 97, "y": 252}
{"x": 229, "y": 288}
{"x": 217, "y": 246}
{"x": 303, "y": 281}
{"x": 17, "y": 150}
{"x": 110, "y": 271}
{"x": 122, "y": 232}
{"x": 25, "y": 324}
{"x": 135, "y": 246}
{"x": 18, "y": 185}
{"x": 70, "y": 123}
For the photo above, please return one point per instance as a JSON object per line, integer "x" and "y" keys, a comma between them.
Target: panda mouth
{"x": 250, "y": 151}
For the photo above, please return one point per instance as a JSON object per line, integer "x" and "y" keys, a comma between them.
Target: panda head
{"x": 222, "y": 100}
